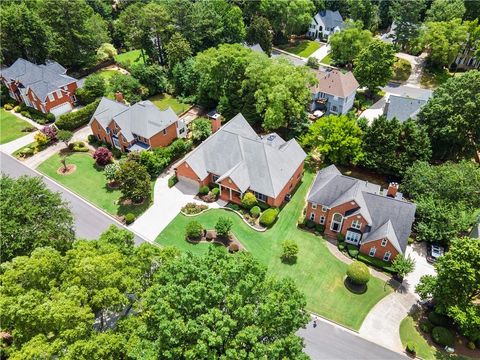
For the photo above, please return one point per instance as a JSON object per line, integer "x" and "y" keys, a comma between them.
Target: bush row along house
{"x": 238, "y": 160}
{"x": 141, "y": 126}
{"x": 45, "y": 87}
{"x": 377, "y": 221}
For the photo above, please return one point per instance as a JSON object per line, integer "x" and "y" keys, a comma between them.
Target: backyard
{"x": 11, "y": 127}
{"x": 163, "y": 101}
{"x": 433, "y": 78}
{"x": 303, "y": 48}
{"x": 89, "y": 182}
{"x": 317, "y": 272}
{"x": 129, "y": 58}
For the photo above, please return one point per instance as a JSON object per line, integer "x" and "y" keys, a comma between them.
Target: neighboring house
{"x": 377, "y": 221}
{"x": 141, "y": 126}
{"x": 390, "y": 35}
{"x": 240, "y": 161}
{"x": 325, "y": 23}
{"x": 46, "y": 87}
{"x": 254, "y": 47}
{"x": 402, "y": 107}
{"x": 475, "y": 233}
{"x": 335, "y": 92}
{"x": 466, "y": 60}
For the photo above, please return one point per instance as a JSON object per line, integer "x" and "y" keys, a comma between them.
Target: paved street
{"x": 89, "y": 221}
{"x": 331, "y": 342}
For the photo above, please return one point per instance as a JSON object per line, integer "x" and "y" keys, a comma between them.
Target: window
{"x": 108, "y": 130}
{"x": 214, "y": 178}
{"x": 322, "y": 220}
{"x": 59, "y": 94}
{"x": 336, "y": 222}
{"x": 387, "y": 255}
{"x": 181, "y": 131}
{"x": 116, "y": 143}
{"x": 260, "y": 197}
{"x": 164, "y": 132}
{"x": 312, "y": 216}
{"x": 334, "y": 108}
{"x": 372, "y": 252}
{"x": 353, "y": 237}
{"x": 314, "y": 206}
{"x": 324, "y": 208}
{"x": 50, "y": 97}
{"x": 356, "y": 224}
{"x": 384, "y": 242}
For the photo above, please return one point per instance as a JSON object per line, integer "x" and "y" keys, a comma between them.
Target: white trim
{"x": 387, "y": 255}
{"x": 353, "y": 237}
{"x": 384, "y": 242}
{"x": 322, "y": 220}
{"x": 372, "y": 251}
{"x": 314, "y": 206}
{"x": 312, "y": 216}
{"x": 324, "y": 208}
{"x": 356, "y": 224}
{"x": 335, "y": 222}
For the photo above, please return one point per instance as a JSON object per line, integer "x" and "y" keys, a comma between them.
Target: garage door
{"x": 187, "y": 182}
{"x": 61, "y": 109}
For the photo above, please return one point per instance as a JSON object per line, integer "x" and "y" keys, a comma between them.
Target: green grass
{"x": 409, "y": 333}
{"x": 401, "y": 70}
{"x": 433, "y": 78}
{"x": 317, "y": 272}
{"x": 163, "y": 101}
{"x": 107, "y": 74}
{"x": 11, "y": 127}
{"x": 303, "y": 48}
{"x": 89, "y": 182}
{"x": 327, "y": 60}
{"x": 130, "y": 57}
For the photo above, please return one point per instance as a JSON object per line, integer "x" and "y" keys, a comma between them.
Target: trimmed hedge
{"x": 35, "y": 115}
{"x": 204, "y": 190}
{"x": 352, "y": 250}
{"x": 74, "y": 120}
{"x": 358, "y": 273}
{"x": 129, "y": 218}
{"x": 172, "y": 181}
{"x": 443, "y": 336}
{"x": 78, "y": 146}
{"x": 255, "y": 211}
{"x": 269, "y": 217}
{"x": 380, "y": 264}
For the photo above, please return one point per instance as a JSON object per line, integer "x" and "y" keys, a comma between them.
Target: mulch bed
{"x": 71, "y": 168}
{"x": 210, "y": 236}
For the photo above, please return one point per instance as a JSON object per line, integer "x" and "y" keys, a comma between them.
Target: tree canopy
{"x": 348, "y": 43}
{"x": 406, "y": 15}
{"x": 446, "y": 10}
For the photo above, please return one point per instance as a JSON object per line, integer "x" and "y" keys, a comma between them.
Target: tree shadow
{"x": 355, "y": 288}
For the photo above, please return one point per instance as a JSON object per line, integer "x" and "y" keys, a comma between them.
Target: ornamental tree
{"x": 102, "y": 156}
{"x": 245, "y": 311}
{"x": 65, "y": 136}
{"x": 259, "y": 32}
{"x": 223, "y": 226}
{"x": 201, "y": 129}
{"x": 358, "y": 273}
{"x": 193, "y": 230}
{"x": 249, "y": 200}
{"x": 134, "y": 181}
{"x": 110, "y": 171}
{"x": 50, "y": 132}
{"x": 289, "y": 251}
{"x": 403, "y": 265}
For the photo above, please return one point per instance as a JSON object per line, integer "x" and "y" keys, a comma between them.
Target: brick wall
{"x": 381, "y": 250}
{"x": 161, "y": 139}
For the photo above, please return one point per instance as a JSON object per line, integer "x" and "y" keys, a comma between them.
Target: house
{"x": 377, "y": 221}
{"x": 405, "y": 103}
{"x": 475, "y": 233}
{"x": 239, "y": 161}
{"x": 325, "y": 23}
{"x": 45, "y": 87}
{"x": 334, "y": 93}
{"x": 466, "y": 59}
{"x": 135, "y": 128}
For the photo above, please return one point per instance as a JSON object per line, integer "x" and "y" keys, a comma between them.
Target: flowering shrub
{"x": 102, "y": 156}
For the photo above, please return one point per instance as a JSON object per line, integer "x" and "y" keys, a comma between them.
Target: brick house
{"x": 378, "y": 221}
{"x": 239, "y": 161}
{"x": 44, "y": 87}
{"x": 135, "y": 128}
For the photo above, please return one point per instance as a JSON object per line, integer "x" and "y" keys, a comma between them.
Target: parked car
{"x": 434, "y": 252}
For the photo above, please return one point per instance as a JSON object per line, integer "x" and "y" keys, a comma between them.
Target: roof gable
{"x": 335, "y": 83}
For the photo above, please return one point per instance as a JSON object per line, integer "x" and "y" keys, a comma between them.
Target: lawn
{"x": 163, "y": 101}
{"x": 327, "y": 60}
{"x": 401, "y": 70}
{"x": 11, "y": 127}
{"x": 89, "y": 182}
{"x": 303, "y": 48}
{"x": 317, "y": 272}
{"x": 433, "y": 78}
{"x": 129, "y": 58}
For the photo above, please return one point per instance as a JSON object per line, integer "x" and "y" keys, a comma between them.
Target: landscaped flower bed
{"x": 192, "y": 208}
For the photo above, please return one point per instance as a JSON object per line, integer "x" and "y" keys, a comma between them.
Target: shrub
{"x": 233, "y": 247}
{"x": 50, "y": 132}
{"x": 172, "y": 181}
{"x": 29, "y": 129}
{"x": 92, "y": 139}
{"x": 426, "y": 326}
{"x": 438, "y": 319}
{"x": 77, "y": 119}
{"x": 320, "y": 228}
{"x": 41, "y": 139}
{"x": 341, "y": 246}
{"x": 255, "y": 211}
{"x": 201, "y": 129}
{"x": 249, "y": 200}
{"x": 116, "y": 153}
{"x": 8, "y": 107}
{"x": 410, "y": 241}
{"x": 179, "y": 148}
{"x": 204, "y": 190}
{"x": 340, "y": 237}
{"x": 110, "y": 171}
{"x": 269, "y": 217}
{"x": 194, "y": 230}
{"x": 313, "y": 62}
{"x": 471, "y": 345}
{"x": 129, "y": 218}
{"x": 215, "y": 192}
{"x": 102, "y": 156}
{"x": 442, "y": 336}
{"x": 193, "y": 208}
{"x": 234, "y": 207}
{"x": 17, "y": 109}
{"x": 358, "y": 273}
{"x": 411, "y": 349}
{"x": 223, "y": 226}
{"x": 352, "y": 250}
{"x": 310, "y": 224}
{"x": 25, "y": 152}
{"x": 78, "y": 146}
{"x": 35, "y": 115}
{"x": 290, "y": 251}
{"x": 50, "y": 117}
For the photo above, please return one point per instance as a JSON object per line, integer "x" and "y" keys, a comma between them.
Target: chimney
{"x": 392, "y": 189}
{"x": 119, "y": 97}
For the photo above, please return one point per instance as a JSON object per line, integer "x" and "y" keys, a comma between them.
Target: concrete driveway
{"x": 322, "y": 52}
{"x": 418, "y": 252}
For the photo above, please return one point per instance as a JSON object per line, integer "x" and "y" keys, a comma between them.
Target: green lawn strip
{"x": 317, "y": 272}
{"x": 303, "y": 48}
{"x": 163, "y": 101}
{"x": 327, "y": 60}
{"x": 130, "y": 57}
{"x": 89, "y": 182}
{"x": 11, "y": 127}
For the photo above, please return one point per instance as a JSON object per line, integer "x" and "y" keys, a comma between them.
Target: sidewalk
{"x": 321, "y": 53}
{"x": 12, "y": 146}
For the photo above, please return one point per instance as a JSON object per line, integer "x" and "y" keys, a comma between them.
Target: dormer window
{"x": 356, "y": 224}
{"x": 384, "y": 242}
{"x": 324, "y": 208}
{"x": 314, "y": 206}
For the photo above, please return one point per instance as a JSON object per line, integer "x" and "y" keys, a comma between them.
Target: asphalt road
{"x": 332, "y": 342}
{"x": 89, "y": 221}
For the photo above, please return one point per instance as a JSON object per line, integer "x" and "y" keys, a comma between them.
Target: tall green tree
{"x": 134, "y": 181}
{"x": 472, "y": 10}
{"x": 245, "y": 312}
{"x": 32, "y": 216}
{"x": 451, "y": 117}
{"x": 337, "y": 139}
{"x": 445, "y": 10}
{"x": 129, "y": 86}
{"x": 365, "y": 11}
{"x": 406, "y": 15}
{"x": 153, "y": 77}
{"x": 131, "y": 27}
{"x": 76, "y": 31}
{"x": 385, "y": 18}
{"x": 391, "y": 147}
{"x": 158, "y": 26}
{"x": 456, "y": 287}
{"x": 348, "y": 43}
{"x": 177, "y": 50}
{"x": 259, "y": 32}
{"x": 23, "y": 34}
{"x": 374, "y": 65}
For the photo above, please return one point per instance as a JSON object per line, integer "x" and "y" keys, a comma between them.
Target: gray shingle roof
{"x": 251, "y": 161}
{"x": 143, "y": 118}
{"x": 387, "y": 217}
{"x": 331, "y": 19}
{"x": 403, "y": 107}
{"x": 42, "y": 79}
